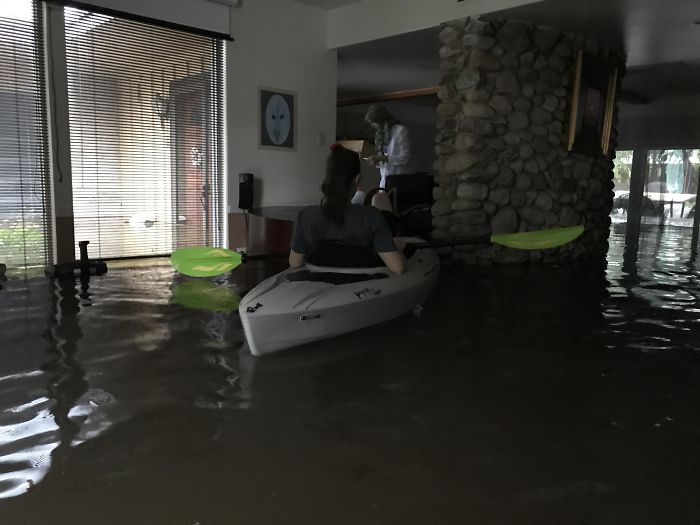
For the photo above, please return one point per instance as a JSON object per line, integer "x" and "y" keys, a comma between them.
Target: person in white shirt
{"x": 391, "y": 143}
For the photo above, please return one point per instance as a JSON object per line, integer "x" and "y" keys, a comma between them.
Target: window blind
{"x": 146, "y": 132}
{"x": 25, "y": 221}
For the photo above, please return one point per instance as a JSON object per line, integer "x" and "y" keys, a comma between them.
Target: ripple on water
{"x": 28, "y": 435}
{"x": 101, "y": 353}
{"x": 654, "y": 297}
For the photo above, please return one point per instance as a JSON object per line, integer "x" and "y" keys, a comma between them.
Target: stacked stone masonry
{"x": 503, "y": 120}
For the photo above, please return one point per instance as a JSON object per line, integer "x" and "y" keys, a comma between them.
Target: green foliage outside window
{"x": 28, "y": 235}
{"x": 622, "y": 170}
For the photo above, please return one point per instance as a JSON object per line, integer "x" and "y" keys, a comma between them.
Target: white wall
{"x": 373, "y": 19}
{"x": 193, "y": 13}
{"x": 280, "y": 44}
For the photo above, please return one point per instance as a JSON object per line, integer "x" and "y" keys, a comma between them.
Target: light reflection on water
{"x": 63, "y": 360}
{"x": 654, "y": 292}
{"x": 103, "y": 355}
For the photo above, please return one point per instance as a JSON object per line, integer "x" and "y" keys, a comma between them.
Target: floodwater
{"x": 551, "y": 395}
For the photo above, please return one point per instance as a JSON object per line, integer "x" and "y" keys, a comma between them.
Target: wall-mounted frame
{"x": 592, "y": 107}
{"x": 277, "y": 115}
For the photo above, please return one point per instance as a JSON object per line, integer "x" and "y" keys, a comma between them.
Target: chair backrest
{"x": 411, "y": 190}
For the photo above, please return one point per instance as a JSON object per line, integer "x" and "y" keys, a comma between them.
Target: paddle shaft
{"x": 207, "y": 261}
{"x": 486, "y": 239}
{"x": 263, "y": 256}
{"x": 439, "y": 244}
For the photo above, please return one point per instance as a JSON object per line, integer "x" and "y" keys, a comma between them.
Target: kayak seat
{"x": 342, "y": 254}
{"x": 333, "y": 277}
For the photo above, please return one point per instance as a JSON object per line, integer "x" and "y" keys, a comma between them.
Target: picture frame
{"x": 592, "y": 107}
{"x": 277, "y": 115}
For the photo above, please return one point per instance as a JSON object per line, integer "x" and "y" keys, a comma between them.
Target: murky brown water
{"x": 522, "y": 395}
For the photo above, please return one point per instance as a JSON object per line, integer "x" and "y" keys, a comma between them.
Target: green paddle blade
{"x": 539, "y": 240}
{"x": 204, "y": 261}
{"x": 205, "y": 295}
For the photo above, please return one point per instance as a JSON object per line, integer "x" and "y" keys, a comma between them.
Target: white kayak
{"x": 311, "y": 303}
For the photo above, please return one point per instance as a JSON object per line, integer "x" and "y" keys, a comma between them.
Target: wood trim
{"x": 383, "y": 97}
{"x": 574, "y": 101}
{"x": 609, "y": 112}
{"x": 237, "y": 231}
{"x": 65, "y": 240}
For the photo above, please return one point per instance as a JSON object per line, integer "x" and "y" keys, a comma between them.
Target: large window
{"x": 670, "y": 186}
{"x": 25, "y": 232}
{"x": 146, "y": 135}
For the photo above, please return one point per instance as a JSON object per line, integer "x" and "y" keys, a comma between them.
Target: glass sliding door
{"x": 671, "y": 185}
{"x": 146, "y": 120}
{"x": 25, "y": 210}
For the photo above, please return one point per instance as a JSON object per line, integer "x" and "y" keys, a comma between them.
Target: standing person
{"x": 391, "y": 141}
{"x": 339, "y": 231}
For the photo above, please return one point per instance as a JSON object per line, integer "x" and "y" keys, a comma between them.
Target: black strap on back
{"x": 341, "y": 254}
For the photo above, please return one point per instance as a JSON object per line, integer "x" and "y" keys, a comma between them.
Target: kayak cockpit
{"x": 335, "y": 278}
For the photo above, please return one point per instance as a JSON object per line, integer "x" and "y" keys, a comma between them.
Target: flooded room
{"x": 349, "y": 262}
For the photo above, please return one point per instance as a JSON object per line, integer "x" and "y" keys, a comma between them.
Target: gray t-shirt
{"x": 364, "y": 226}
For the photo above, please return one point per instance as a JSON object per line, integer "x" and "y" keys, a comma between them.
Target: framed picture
{"x": 592, "y": 107}
{"x": 277, "y": 119}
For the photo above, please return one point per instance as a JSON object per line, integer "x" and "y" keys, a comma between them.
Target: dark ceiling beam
{"x": 631, "y": 97}
{"x": 384, "y": 97}
{"x": 625, "y": 96}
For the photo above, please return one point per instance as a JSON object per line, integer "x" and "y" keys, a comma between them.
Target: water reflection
{"x": 58, "y": 404}
{"x": 32, "y": 425}
{"x": 654, "y": 298}
{"x": 509, "y": 369}
{"x": 203, "y": 294}
{"x": 28, "y": 435}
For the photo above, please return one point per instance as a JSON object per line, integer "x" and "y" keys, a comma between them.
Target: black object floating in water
{"x": 86, "y": 266}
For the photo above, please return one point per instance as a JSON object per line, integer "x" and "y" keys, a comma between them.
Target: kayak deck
{"x": 311, "y": 303}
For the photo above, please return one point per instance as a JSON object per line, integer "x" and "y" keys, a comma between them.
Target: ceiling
{"x": 660, "y": 38}
{"x": 327, "y": 4}
{"x": 651, "y": 31}
{"x": 403, "y": 62}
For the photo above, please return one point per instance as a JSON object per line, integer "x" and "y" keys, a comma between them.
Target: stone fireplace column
{"x": 503, "y": 161}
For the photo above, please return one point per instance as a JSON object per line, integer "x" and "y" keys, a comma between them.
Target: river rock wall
{"x": 503, "y": 165}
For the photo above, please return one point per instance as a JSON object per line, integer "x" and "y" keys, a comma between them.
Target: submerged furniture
{"x": 311, "y": 303}
{"x": 267, "y": 229}
{"x": 85, "y": 266}
{"x": 411, "y": 192}
{"x": 411, "y": 197}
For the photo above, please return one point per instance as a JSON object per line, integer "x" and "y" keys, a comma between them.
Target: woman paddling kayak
{"x": 338, "y": 233}
{"x": 346, "y": 271}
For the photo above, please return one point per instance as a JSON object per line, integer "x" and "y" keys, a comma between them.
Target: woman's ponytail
{"x": 342, "y": 167}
